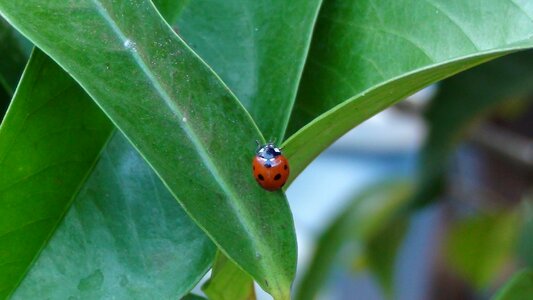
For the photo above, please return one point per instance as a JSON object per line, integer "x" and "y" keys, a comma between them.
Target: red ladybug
{"x": 270, "y": 167}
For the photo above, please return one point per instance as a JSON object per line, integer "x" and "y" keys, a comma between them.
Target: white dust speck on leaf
{"x": 130, "y": 45}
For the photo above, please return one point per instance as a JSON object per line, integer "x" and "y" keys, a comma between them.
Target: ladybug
{"x": 270, "y": 167}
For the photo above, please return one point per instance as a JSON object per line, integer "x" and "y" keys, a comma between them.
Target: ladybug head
{"x": 269, "y": 151}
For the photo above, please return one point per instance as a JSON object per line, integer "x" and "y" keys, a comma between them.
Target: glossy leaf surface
{"x": 258, "y": 48}
{"x": 46, "y": 152}
{"x": 52, "y": 277}
{"x": 180, "y": 117}
{"x": 367, "y": 55}
{"x": 125, "y": 237}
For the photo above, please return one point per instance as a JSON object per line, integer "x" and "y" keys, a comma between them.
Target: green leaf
{"x": 179, "y": 115}
{"x": 478, "y": 247}
{"x": 367, "y": 55}
{"x": 228, "y": 282}
{"x": 364, "y": 217}
{"x": 46, "y": 152}
{"x": 519, "y": 287}
{"x": 124, "y": 237}
{"x": 259, "y": 50}
{"x": 53, "y": 113}
{"x": 170, "y": 9}
{"x": 13, "y": 58}
{"x": 462, "y": 101}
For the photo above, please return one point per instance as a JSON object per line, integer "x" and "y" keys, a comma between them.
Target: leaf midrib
{"x": 189, "y": 131}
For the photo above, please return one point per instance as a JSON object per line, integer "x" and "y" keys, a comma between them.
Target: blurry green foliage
{"x": 519, "y": 287}
{"x": 479, "y": 246}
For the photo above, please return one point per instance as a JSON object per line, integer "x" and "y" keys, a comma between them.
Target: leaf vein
{"x": 186, "y": 128}
{"x": 456, "y": 23}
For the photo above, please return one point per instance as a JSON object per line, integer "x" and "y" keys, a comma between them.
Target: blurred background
{"x": 430, "y": 199}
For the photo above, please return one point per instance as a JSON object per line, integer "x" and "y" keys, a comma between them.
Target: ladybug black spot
{"x": 267, "y": 165}
{"x": 253, "y": 168}
{"x": 260, "y": 177}
{"x": 277, "y": 177}
{"x": 285, "y": 167}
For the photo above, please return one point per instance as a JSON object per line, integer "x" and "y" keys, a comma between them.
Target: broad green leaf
{"x": 49, "y": 71}
{"x": 302, "y": 147}
{"x": 179, "y": 115}
{"x": 46, "y": 152}
{"x": 228, "y": 282}
{"x": 367, "y": 55}
{"x": 519, "y": 287}
{"x": 124, "y": 237}
{"x": 170, "y": 9}
{"x": 258, "y": 48}
{"x": 364, "y": 217}
{"x": 12, "y": 58}
{"x": 478, "y": 247}
{"x": 462, "y": 101}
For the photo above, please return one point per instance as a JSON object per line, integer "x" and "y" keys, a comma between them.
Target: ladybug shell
{"x": 271, "y": 173}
